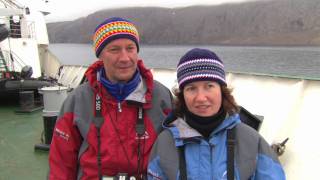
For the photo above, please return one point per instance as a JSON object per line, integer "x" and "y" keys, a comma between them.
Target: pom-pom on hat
{"x": 112, "y": 29}
{"x": 200, "y": 65}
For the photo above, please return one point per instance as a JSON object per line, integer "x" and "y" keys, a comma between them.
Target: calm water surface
{"x": 301, "y": 62}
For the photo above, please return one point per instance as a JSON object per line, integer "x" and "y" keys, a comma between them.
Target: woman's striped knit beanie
{"x": 112, "y": 29}
{"x": 200, "y": 65}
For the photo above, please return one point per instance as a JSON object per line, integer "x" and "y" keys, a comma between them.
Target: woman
{"x": 194, "y": 144}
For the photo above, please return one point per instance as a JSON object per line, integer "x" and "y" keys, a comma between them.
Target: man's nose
{"x": 124, "y": 55}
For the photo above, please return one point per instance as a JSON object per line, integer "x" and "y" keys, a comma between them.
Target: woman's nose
{"x": 201, "y": 96}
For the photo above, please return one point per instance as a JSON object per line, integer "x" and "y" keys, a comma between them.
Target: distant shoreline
{"x": 221, "y": 45}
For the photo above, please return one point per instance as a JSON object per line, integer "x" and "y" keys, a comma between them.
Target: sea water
{"x": 301, "y": 62}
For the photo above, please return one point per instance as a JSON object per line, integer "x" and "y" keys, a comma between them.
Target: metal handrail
{"x": 10, "y": 58}
{"x": 3, "y": 63}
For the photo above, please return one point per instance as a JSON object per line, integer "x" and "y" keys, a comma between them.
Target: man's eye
{"x": 114, "y": 49}
{"x": 130, "y": 48}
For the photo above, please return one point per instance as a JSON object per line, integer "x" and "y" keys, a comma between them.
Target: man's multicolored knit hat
{"x": 200, "y": 65}
{"x": 112, "y": 29}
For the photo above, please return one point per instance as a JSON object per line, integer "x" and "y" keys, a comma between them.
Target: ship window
{"x": 15, "y": 27}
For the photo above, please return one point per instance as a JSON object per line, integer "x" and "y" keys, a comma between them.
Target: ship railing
{"x": 12, "y": 61}
{"x": 3, "y": 63}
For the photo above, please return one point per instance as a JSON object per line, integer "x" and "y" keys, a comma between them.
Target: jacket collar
{"x": 143, "y": 93}
{"x": 181, "y": 130}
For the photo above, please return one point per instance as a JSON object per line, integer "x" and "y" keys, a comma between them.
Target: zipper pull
{"x": 119, "y": 107}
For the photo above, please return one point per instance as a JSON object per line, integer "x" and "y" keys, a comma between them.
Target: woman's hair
{"x": 228, "y": 102}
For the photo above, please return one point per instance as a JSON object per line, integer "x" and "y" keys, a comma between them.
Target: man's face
{"x": 120, "y": 59}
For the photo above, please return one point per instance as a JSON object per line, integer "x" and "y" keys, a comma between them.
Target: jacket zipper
{"x": 211, "y": 159}
{"x": 119, "y": 107}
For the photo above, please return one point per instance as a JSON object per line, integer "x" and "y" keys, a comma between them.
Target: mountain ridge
{"x": 275, "y": 22}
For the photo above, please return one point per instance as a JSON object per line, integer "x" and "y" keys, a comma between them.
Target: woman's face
{"x": 203, "y": 98}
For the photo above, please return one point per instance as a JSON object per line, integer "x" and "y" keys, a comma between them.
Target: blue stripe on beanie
{"x": 200, "y": 65}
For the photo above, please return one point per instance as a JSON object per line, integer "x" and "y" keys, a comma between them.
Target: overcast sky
{"x": 61, "y": 10}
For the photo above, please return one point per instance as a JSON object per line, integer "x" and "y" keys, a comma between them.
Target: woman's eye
{"x": 190, "y": 88}
{"x": 210, "y": 85}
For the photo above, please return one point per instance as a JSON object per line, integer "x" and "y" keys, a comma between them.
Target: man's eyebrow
{"x": 113, "y": 46}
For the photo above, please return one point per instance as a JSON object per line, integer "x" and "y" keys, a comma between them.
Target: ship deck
{"x": 19, "y": 133}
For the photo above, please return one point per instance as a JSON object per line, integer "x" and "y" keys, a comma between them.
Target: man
{"x": 107, "y": 126}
